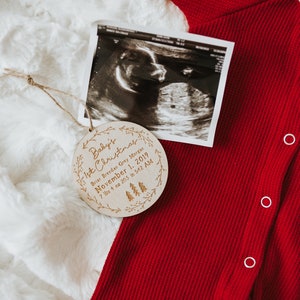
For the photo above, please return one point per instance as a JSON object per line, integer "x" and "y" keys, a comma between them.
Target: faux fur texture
{"x": 52, "y": 245}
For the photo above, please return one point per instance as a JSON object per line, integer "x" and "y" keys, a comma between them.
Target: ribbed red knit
{"x": 238, "y": 199}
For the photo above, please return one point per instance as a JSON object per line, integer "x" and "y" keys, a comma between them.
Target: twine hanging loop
{"x": 46, "y": 90}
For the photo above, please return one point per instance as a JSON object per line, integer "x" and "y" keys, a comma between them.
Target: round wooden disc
{"x": 120, "y": 169}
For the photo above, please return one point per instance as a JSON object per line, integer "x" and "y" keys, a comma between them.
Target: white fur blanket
{"x": 52, "y": 245}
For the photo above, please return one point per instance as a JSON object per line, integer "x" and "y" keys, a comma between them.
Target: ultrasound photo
{"x": 168, "y": 85}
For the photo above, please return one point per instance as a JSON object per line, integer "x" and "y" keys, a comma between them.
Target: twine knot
{"x": 30, "y": 80}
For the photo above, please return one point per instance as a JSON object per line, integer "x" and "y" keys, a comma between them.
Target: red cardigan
{"x": 226, "y": 226}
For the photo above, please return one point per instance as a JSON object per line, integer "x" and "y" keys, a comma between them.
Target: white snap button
{"x": 249, "y": 262}
{"x": 289, "y": 139}
{"x": 266, "y": 202}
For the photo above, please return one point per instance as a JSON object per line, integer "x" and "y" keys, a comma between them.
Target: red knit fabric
{"x": 192, "y": 244}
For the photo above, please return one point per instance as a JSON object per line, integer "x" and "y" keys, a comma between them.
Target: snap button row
{"x": 266, "y": 201}
{"x": 289, "y": 139}
{"x": 249, "y": 262}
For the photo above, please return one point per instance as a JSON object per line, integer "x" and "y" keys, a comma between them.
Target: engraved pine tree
{"x": 134, "y": 189}
{"x": 142, "y": 187}
{"x": 129, "y": 196}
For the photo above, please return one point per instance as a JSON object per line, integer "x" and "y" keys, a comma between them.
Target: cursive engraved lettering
{"x": 89, "y": 173}
{"x": 96, "y": 151}
{"x": 101, "y": 163}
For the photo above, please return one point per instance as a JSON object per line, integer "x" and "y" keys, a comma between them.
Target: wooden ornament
{"x": 120, "y": 169}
